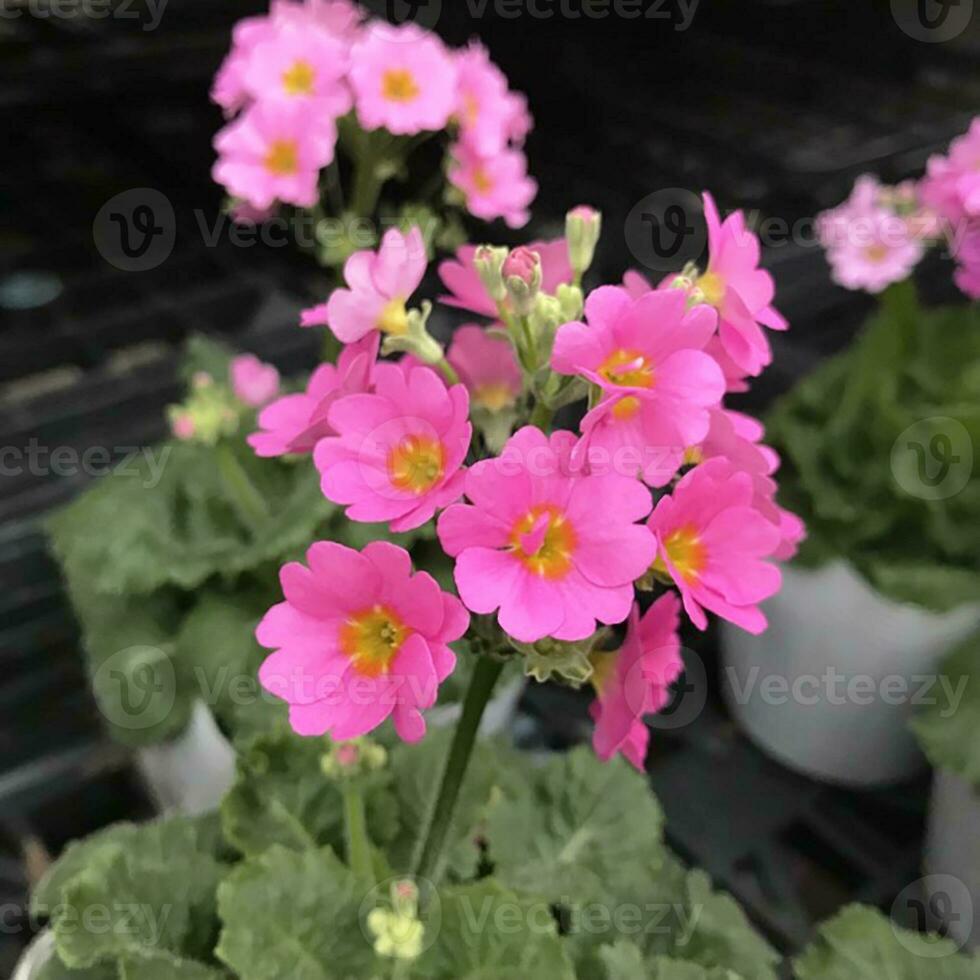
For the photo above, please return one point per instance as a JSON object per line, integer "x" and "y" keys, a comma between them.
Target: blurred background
{"x": 773, "y": 106}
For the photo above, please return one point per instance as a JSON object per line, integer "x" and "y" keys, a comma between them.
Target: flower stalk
{"x": 477, "y": 696}
{"x": 355, "y": 823}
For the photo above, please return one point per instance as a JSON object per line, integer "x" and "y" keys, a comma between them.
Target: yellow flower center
{"x": 482, "y": 181}
{"x": 628, "y": 368}
{"x": 693, "y": 455}
{"x": 876, "y": 253}
{"x": 712, "y": 287}
{"x": 544, "y": 540}
{"x": 398, "y": 85}
{"x": 687, "y": 554}
{"x": 493, "y": 396}
{"x": 626, "y": 408}
{"x": 471, "y": 109}
{"x": 282, "y": 158}
{"x": 416, "y": 464}
{"x": 394, "y": 318}
{"x": 372, "y": 638}
{"x": 299, "y": 78}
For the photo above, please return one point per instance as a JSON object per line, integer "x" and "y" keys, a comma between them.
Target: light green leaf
{"x": 490, "y": 933}
{"x": 281, "y": 796}
{"x": 862, "y": 944}
{"x": 294, "y": 914}
{"x": 949, "y": 729}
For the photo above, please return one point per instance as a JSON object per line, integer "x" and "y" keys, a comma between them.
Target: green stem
{"x": 245, "y": 498}
{"x": 448, "y": 372}
{"x": 367, "y": 184}
{"x": 358, "y": 844}
{"x": 541, "y": 416}
{"x": 477, "y": 695}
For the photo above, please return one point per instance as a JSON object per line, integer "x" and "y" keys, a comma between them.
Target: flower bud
{"x": 571, "y": 300}
{"x": 488, "y": 261}
{"x": 522, "y": 277}
{"x": 583, "y": 225}
{"x": 415, "y": 339}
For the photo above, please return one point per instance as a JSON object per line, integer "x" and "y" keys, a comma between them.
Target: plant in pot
{"x": 948, "y": 729}
{"x": 879, "y": 446}
{"x": 333, "y": 118}
{"x": 351, "y": 847}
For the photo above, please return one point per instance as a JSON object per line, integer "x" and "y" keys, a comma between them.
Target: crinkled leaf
{"x": 281, "y": 796}
{"x": 862, "y": 944}
{"x": 574, "y": 823}
{"x": 949, "y": 729}
{"x": 490, "y": 933}
{"x": 135, "y": 891}
{"x": 294, "y": 914}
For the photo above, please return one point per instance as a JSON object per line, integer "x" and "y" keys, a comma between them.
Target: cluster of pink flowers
{"x": 880, "y": 233}
{"x": 554, "y": 534}
{"x": 291, "y": 74}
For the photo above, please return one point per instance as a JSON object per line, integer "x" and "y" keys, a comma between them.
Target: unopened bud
{"x": 583, "y": 226}
{"x": 488, "y": 261}
{"x": 522, "y": 278}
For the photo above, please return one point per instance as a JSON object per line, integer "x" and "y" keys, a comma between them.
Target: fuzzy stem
{"x": 358, "y": 845}
{"x": 477, "y": 695}
{"x": 541, "y": 416}
{"x": 448, "y": 372}
{"x": 245, "y": 498}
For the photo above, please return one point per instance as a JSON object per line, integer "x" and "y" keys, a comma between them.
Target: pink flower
{"x": 495, "y": 186}
{"x": 253, "y": 381}
{"x": 489, "y": 117}
{"x": 182, "y": 426}
{"x": 967, "y": 254}
{"x": 380, "y": 284}
{"x": 228, "y": 89}
{"x": 738, "y": 289}
{"x": 552, "y": 550}
{"x": 304, "y": 65}
{"x": 735, "y": 439}
{"x": 868, "y": 245}
{"x": 296, "y": 423}
{"x": 460, "y": 277}
{"x": 635, "y": 283}
{"x": 522, "y": 263}
{"x": 487, "y": 366}
{"x": 359, "y": 638}
{"x": 274, "y": 152}
{"x": 403, "y": 79}
{"x": 634, "y": 681}
{"x": 658, "y": 384}
{"x": 398, "y": 453}
{"x": 951, "y": 186}
{"x": 711, "y": 541}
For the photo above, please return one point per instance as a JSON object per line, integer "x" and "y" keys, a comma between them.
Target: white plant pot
{"x": 829, "y": 689}
{"x": 35, "y": 957}
{"x": 953, "y": 851}
{"x": 193, "y": 772}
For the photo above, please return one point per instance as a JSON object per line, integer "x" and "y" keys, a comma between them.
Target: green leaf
{"x": 623, "y": 960}
{"x": 948, "y": 729}
{"x": 294, "y": 914}
{"x": 134, "y": 892}
{"x": 938, "y": 588}
{"x": 161, "y": 965}
{"x": 862, "y": 944}
{"x": 281, "y": 796}
{"x": 574, "y": 824}
{"x": 490, "y": 933}
{"x": 54, "y": 969}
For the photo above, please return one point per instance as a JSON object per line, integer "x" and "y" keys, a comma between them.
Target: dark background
{"x": 774, "y": 106}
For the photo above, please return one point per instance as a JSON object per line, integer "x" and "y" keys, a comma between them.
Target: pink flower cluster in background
{"x": 293, "y": 73}
{"x": 880, "y": 233}
{"x": 553, "y": 534}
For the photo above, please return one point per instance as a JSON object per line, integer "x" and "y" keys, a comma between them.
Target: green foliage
{"x": 949, "y": 729}
{"x": 295, "y": 914}
{"x": 281, "y": 797}
{"x": 135, "y": 901}
{"x": 861, "y": 944}
{"x": 858, "y": 486}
